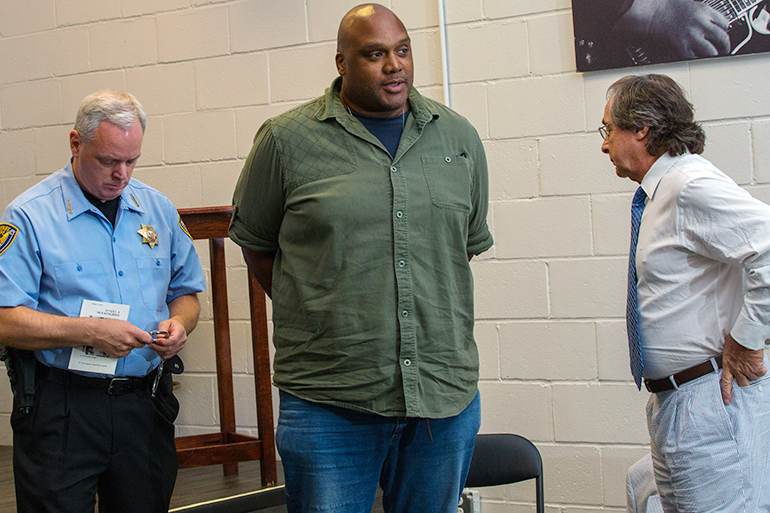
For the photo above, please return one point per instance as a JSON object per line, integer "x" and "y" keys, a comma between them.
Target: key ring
{"x": 155, "y": 334}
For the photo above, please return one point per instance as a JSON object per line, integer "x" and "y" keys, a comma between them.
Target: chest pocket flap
{"x": 76, "y": 281}
{"x": 449, "y": 182}
{"x": 154, "y": 278}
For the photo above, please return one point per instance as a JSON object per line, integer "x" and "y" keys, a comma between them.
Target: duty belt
{"x": 112, "y": 386}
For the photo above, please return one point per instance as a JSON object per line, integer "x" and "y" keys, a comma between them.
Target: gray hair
{"x": 121, "y": 109}
{"x": 656, "y": 101}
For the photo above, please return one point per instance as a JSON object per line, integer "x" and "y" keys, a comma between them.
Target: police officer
{"x": 99, "y": 277}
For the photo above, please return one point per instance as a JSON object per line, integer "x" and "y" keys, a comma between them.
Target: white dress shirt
{"x": 703, "y": 262}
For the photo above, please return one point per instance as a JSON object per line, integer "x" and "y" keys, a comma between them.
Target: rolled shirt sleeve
{"x": 258, "y": 200}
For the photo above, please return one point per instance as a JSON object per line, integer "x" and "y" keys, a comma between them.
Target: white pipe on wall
{"x": 444, "y": 52}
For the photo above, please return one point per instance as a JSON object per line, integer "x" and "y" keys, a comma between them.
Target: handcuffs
{"x": 155, "y": 334}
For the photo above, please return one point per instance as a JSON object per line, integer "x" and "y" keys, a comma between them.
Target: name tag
{"x": 91, "y": 359}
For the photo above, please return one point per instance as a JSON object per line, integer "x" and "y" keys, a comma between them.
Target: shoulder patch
{"x": 7, "y": 235}
{"x": 183, "y": 227}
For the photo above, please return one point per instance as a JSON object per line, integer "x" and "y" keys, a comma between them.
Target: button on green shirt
{"x": 372, "y": 289}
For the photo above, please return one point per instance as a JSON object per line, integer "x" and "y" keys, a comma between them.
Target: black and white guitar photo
{"x": 622, "y": 33}
{"x": 745, "y": 19}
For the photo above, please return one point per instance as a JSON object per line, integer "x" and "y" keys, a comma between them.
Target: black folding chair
{"x": 500, "y": 459}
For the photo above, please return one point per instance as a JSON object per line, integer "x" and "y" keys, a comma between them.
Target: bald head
{"x": 374, "y": 59}
{"x": 363, "y": 13}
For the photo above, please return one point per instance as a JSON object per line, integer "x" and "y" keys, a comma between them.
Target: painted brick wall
{"x": 550, "y": 294}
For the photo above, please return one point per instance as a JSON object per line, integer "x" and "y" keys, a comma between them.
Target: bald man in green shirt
{"x": 359, "y": 212}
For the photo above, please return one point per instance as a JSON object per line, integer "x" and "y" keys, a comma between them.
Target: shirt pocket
{"x": 76, "y": 281}
{"x": 154, "y": 277}
{"x": 449, "y": 182}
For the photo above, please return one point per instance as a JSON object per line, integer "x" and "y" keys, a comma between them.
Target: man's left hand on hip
{"x": 745, "y": 365}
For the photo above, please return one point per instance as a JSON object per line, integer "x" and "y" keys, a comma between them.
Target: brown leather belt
{"x": 680, "y": 378}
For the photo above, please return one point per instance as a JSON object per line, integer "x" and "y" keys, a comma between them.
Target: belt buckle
{"x": 116, "y": 385}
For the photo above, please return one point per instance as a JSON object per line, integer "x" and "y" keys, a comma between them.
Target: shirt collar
{"x": 653, "y": 176}
{"x": 75, "y": 202}
{"x": 332, "y": 107}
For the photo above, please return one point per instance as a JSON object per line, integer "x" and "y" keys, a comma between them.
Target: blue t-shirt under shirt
{"x": 387, "y": 130}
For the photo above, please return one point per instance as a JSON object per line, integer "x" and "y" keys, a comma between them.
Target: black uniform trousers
{"x": 77, "y": 442}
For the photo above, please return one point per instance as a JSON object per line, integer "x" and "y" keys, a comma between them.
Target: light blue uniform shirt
{"x": 57, "y": 249}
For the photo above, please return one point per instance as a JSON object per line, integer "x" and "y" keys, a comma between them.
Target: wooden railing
{"x": 228, "y": 447}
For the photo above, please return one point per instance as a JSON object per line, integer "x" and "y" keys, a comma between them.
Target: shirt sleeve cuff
{"x": 246, "y": 238}
{"x": 750, "y": 334}
{"x": 480, "y": 243}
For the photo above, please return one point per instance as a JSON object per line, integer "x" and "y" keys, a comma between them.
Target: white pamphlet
{"x": 91, "y": 359}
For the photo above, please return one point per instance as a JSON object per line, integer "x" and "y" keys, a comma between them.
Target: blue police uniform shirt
{"x": 57, "y": 249}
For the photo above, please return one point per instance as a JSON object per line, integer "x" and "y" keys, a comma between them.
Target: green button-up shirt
{"x": 372, "y": 288}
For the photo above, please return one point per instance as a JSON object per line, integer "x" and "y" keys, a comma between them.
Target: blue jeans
{"x": 334, "y": 457}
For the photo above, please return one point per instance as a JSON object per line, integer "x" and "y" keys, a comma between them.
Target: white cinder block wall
{"x": 550, "y": 294}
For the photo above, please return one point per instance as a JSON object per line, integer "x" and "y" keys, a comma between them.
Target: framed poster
{"x": 622, "y": 33}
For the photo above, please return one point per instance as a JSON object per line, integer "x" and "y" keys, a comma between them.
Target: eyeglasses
{"x": 603, "y": 130}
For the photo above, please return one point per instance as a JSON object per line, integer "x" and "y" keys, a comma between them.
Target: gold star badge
{"x": 149, "y": 236}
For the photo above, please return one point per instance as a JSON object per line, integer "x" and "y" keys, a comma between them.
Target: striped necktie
{"x": 632, "y": 308}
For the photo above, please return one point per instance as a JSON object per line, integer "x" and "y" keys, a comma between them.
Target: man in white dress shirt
{"x": 701, "y": 290}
